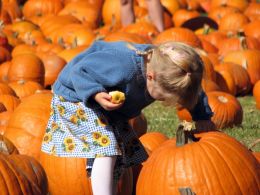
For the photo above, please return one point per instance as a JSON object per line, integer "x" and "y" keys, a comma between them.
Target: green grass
{"x": 165, "y": 120}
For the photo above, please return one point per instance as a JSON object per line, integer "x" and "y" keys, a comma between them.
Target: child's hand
{"x": 104, "y": 99}
{"x": 205, "y": 125}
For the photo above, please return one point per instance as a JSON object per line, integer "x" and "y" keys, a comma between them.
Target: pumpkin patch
{"x": 39, "y": 37}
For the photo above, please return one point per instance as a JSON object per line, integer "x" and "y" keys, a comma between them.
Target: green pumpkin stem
{"x": 180, "y": 136}
{"x": 185, "y": 134}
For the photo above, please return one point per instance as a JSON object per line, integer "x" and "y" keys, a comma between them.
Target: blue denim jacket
{"x": 113, "y": 66}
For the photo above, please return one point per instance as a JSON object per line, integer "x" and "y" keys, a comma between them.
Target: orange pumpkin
{"x": 252, "y": 10}
{"x": 170, "y": 5}
{"x": 51, "y": 24}
{"x": 240, "y": 77}
{"x": 217, "y": 13}
{"x": 209, "y": 85}
{"x": 248, "y": 59}
{"x": 73, "y": 171}
{"x": 25, "y": 88}
{"x": 10, "y": 11}
{"x": 227, "y": 110}
{"x": 152, "y": 140}
{"x": 178, "y": 34}
{"x": 142, "y": 28}
{"x": 10, "y": 101}
{"x": 183, "y": 114}
{"x": 252, "y": 29}
{"x": 225, "y": 81}
{"x": 53, "y": 64}
{"x": 49, "y": 48}
{"x": 73, "y": 35}
{"x": 111, "y": 11}
{"x": 4, "y": 71}
{"x": 178, "y": 166}
{"x": 207, "y": 46}
{"x": 256, "y": 94}
{"x": 215, "y": 37}
{"x": 69, "y": 54}
{"x": 27, "y": 124}
{"x": 125, "y": 36}
{"x": 208, "y": 68}
{"x": 239, "y": 4}
{"x": 26, "y": 67}
{"x": 238, "y": 43}
{"x": 41, "y": 7}
{"x": 22, "y": 175}
{"x": 84, "y": 11}
{"x": 182, "y": 15}
{"x": 23, "y": 49}
{"x": 5, "y": 89}
{"x": 233, "y": 22}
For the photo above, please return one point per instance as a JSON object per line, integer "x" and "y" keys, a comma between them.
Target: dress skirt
{"x": 75, "y": 130}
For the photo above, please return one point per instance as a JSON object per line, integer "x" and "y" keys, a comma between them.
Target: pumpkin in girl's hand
{"x": 195, "y": 166}
{"x": 117, "y": 97}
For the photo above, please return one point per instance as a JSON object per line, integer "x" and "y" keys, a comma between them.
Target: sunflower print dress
{"x": 75, "y": 130}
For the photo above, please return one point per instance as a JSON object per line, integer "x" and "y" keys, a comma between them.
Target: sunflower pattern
{"x": 47, "y": 137}
{"x": 74, "y": 130}
{"x": 61, "y": 109}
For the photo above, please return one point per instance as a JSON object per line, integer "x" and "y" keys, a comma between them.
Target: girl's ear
{"x": 150, "y": 75}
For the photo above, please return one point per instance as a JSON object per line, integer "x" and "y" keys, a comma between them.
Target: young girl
{"x": 85, "y": 123}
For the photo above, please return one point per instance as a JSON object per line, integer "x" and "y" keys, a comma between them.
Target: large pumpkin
{"x": 26, "y": 126}
{"x": 20, "y": 174}
{"x": 207, "y": 166}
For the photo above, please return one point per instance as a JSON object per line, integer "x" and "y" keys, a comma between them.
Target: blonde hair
{"x": 178, "y": 69}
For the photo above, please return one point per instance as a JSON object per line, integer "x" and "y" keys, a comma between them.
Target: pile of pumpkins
{"x": 38, "y": 38}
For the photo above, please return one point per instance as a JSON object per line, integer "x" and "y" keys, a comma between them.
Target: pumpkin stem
{"x": 6, "y": 147}
{"x": 74, "y": 43}
{"x": 180, "y": 136}
{"x": 243, "y": 43}
{"x": 186, "y": 191}
{"x": 185, "y": 134}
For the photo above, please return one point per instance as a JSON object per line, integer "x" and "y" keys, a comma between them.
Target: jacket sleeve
{"x": 202, "y": 110}
{"x": 96, "y": 72}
